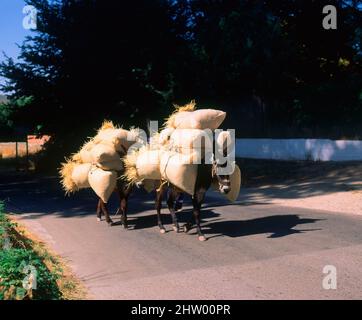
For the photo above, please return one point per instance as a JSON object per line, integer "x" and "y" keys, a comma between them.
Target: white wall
{"x": 299, "y": 149}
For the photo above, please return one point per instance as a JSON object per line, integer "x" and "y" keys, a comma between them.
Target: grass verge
{"x": 29, "y": 270}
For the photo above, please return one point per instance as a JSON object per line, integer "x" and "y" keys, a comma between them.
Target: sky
{"x": 11, "y": 28}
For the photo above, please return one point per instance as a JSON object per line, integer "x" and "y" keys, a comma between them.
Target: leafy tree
{"x": 128, "y": 60}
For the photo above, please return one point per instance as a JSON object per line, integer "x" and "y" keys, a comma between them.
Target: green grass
{"x": 18, "y": 260}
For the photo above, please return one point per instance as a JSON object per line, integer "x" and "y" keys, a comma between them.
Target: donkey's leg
{"x": 159, "y": 194}
{"x": 119, "y": 210}
{"x": 106, "y": 213}
{"x": 124, "y": 194}
{"x": 172, "y": 195}
{"x": 124, "y": 205}
{"x": 99, "y": 210}
{"x": 197, "y": 201}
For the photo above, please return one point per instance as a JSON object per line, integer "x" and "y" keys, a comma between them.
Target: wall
{"x": 299, "y": 149}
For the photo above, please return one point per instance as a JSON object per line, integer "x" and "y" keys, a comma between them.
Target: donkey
{"x": 206, "y": 175}
{"x": 123, "y": 190}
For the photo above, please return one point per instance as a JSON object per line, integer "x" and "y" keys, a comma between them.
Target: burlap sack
{"x": 148, "y": 164}
{"x": 165, "y": 135}
{"x": 116, "y": 165}
{"x": 235, "y": 183}
{"x": 102, "y": 182}
{"x": 187, "y": 141}
{"x": 80, "y": 175}
{"x": 74, "y": 175}
{"x": 85, "y": 154}
{"x": 199, "y": 119}
{"x": 117, "y": 137}
{"x": 103, "y": 153}
{"x": 179, "y": 170}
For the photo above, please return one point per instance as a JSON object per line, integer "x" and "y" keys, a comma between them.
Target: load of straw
{"x": 142, "y": 164}
{"x": 102, "y": 153}
{"x": 74, "y": 176}
{"x": 186, "y": 117}
{"x": 182, "y": 144}
{"x": 120, "y": 138}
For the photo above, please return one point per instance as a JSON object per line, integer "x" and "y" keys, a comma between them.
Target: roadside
{"x": 331, "y": 186}
{"x": 29, "y": 269}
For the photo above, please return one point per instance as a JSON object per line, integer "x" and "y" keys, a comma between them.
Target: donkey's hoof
{"x": 99, "y": 219}
{"x": 125, "y": 226}
{"x": 162, "y": 230}
{"x": 177, "y": 229}
{"x": 202, "y": 238}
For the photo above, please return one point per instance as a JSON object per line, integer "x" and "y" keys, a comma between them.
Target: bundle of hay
{"x": 98, "y": 161}
{"x": 106, "y": 148}
{"x": 74, "y": 176}
{"x": 188, "y": 130}
{"x": 186, "y": 117}
{"x": 120, "y": 138}
{"x": 184, "y": 141}
{"x": 176, "y": 168}
{"x": 142, "y": 164}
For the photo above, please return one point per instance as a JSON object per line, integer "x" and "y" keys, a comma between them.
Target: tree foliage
{"x": 129, "y": 60}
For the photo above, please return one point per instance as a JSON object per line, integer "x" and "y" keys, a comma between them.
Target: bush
{"x": 15, "y": 274}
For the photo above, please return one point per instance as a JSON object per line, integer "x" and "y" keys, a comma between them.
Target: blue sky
{"x": 11, "y": 28}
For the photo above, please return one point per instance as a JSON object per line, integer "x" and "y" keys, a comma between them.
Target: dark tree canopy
{"x": 130, "y": 60}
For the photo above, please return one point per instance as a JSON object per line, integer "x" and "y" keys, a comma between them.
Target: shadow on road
{"x": 277, "y": 226}
{"x": 43, "y": 196}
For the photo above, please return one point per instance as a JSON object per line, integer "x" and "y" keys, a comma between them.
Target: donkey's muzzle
{"x": 225, "y": 189}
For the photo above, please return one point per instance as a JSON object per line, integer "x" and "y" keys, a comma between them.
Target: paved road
{"x": 254, "y": 251}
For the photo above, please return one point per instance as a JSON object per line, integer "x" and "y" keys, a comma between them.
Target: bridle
{"x": 221, "y": 181}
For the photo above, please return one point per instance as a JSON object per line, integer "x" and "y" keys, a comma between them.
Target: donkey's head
{"x": 223, "y": 180}
{"x": 223, "y": 160}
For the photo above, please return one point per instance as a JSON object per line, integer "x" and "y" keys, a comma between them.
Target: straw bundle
{"x": 142, "y": 164}
{"x": 187, "y": 117}
{"x": 74, "y": 176}
{"x": 120, "y": 138}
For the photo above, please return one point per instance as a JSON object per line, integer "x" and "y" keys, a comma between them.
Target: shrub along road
{"x": 254, "y": 250}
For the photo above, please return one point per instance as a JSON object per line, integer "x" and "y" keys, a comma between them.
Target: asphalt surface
{"x": 254, "y": 251}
